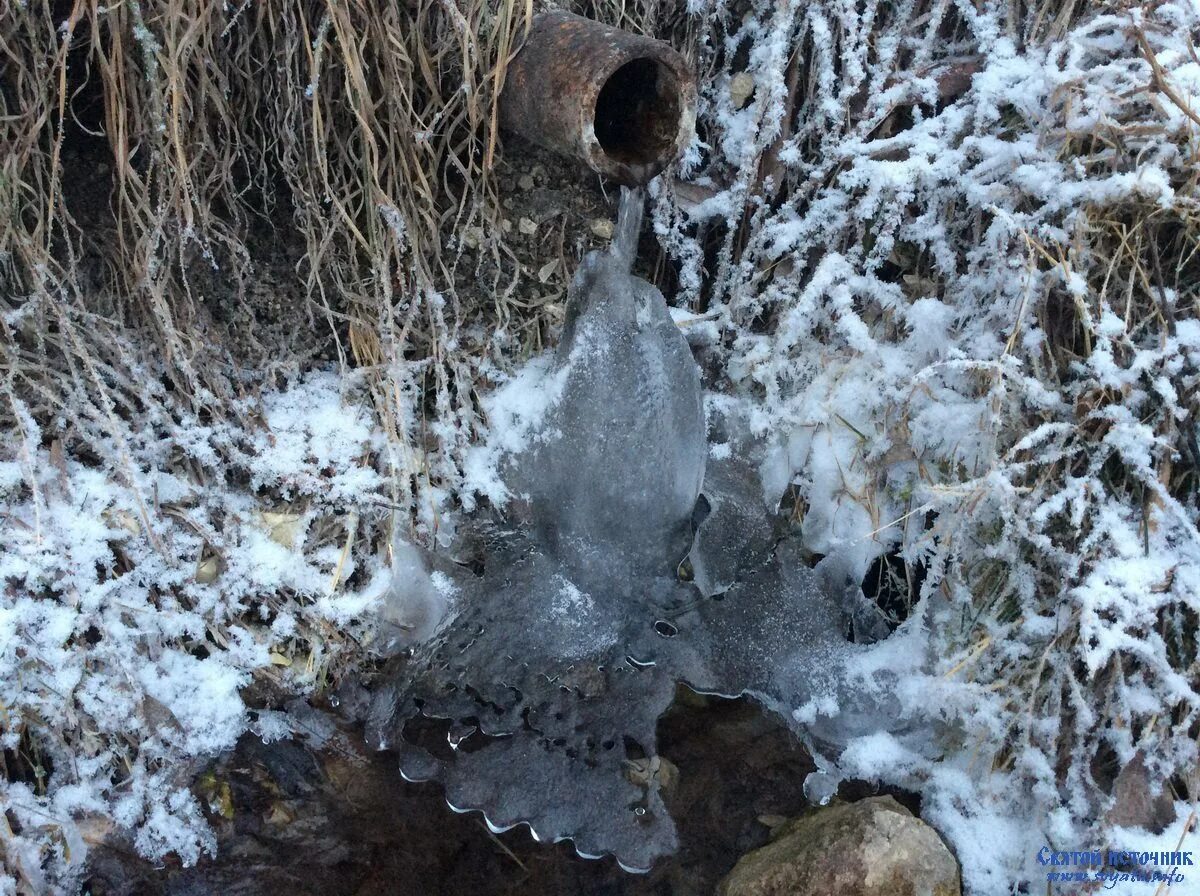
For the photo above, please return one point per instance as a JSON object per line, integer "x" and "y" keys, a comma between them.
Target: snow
{"x": 515, "y": 411}
{"x": 110, "y": 635}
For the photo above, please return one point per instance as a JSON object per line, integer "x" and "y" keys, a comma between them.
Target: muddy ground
{"x": 293, "y": 821}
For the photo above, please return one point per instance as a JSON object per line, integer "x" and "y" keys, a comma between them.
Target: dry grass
{"x": 369, "y": 126}
{"x": 158, "y": 153}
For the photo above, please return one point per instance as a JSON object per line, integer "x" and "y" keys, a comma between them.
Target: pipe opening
{"x": 637, "y": 113}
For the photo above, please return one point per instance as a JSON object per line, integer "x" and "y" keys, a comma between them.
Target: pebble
{"x": 525, "y": 182}
{"x": 527, "y": 226}
{"x": 602, "y": 228}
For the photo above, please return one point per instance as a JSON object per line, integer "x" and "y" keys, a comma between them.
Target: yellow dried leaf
{"x": 224, "y": 801}
{"x": 282, "y": 528}
{"x": 207, "y": 570}
{"x": 740, "y": 88}
{"x": 279, "y": 814}
{"x": 124, "y": 519}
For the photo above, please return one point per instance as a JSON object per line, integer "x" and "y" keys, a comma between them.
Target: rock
{"x": 602, "y": 228}
{"x": 1135, "y": 804}
{"x": 874, "y": 847}
{"x": 527, "y": 226}
{"x": 525, "y": 182}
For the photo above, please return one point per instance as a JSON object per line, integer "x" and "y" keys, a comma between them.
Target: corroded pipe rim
{"x": 636, "y": 162}
{"x": 622, "y": 103}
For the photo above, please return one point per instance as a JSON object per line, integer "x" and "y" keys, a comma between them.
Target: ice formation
{"x": 617, "y": 466}
{"x": 538, "y": 697}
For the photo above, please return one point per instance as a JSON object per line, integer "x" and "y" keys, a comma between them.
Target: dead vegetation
{"x": 163, "y": 159}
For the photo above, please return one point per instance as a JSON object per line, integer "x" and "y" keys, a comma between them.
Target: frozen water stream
{"x": 533, "y": 691}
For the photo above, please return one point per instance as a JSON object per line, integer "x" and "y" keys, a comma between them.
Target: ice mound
{"x": 618, "y": 463}
{"x": 536, "y": 699}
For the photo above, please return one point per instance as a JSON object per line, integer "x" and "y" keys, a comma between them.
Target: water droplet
{"x": 820, "y": 788}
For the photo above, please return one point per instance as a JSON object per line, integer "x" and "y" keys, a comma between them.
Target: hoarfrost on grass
{"x": 129, "y": 645}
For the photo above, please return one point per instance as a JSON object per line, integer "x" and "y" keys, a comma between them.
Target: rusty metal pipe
{"x": 623, "y": 104}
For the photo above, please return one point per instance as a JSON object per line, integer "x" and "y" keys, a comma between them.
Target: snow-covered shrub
{"x": 139, "y": 602}
{"x": 950, "y": 252}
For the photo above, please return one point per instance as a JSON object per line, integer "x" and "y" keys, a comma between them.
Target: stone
{"x": 602, "y": 228}
{"x": 874, "y": 847}
{"x": 1135, "y": 803}
{"x": 527, "y": 226}
{"x": 525, "y": 182}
